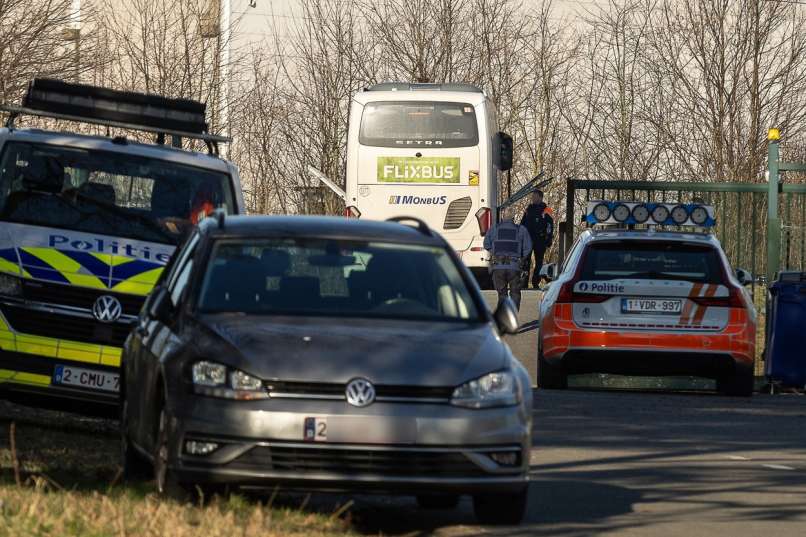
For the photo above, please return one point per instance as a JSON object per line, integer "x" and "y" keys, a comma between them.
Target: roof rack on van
{"x": 422, "y": 86}
{"x": 421, "y": 226}
{"x": 146, "y": 112}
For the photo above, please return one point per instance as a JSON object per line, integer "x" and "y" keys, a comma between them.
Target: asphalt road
{"x": 644, "y": 464}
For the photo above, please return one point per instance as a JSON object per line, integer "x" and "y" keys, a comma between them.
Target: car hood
{"x": 338, "y": 350}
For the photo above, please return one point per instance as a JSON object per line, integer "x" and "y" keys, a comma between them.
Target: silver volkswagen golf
{"x": 327, "y": 354}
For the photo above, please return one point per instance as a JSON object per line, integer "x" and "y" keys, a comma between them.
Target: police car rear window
{"x": 652, "y": 261}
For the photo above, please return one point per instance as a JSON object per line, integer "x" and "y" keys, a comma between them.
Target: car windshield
{"x": 106, "y": 193}
{"x": 426, "y": 124}
{"x": 644, "y": 260}
{"x": 336, "y": 278}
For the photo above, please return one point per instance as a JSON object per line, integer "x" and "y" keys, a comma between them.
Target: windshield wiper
{"x": 128, "y": 214}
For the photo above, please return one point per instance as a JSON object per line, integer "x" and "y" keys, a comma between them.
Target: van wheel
{"x": 739, "y": 383}
{"x": 550, "y": 377}
{"x": 501, "y": 509}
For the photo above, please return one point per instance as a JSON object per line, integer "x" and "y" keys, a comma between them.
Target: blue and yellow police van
{"x": 87, "y": 225}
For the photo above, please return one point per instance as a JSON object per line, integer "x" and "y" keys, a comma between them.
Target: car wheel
{"x": 438, "y": 501}
{"x": 164, "y": 479}
{"x": 550, "y": 377}
{"x": 135, "y": 466}
{"x": 739, "y": 383}
{"x": 501, "y": 509}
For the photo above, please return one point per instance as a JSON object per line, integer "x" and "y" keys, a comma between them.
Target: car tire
{"x": 164, "y": 479}
{"x": 739, "y": 383}
{"x": 501, "y": 509}
{"x": 134, "y": 466}
{"x": 549, "y": 376}
{"x": 438, "y": 501}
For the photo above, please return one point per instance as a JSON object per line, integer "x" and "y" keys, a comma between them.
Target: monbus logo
{"x": 417, "y": 200}
{"x": 418, "y": 170}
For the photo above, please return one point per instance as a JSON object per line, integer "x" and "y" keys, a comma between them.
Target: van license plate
{"x": 86, "y": 378}
{"x": 651, "y": 305}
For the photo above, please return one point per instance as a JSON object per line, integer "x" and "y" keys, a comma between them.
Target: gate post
{"x": 570, "y": 186}
{"x": 773, "y": 223}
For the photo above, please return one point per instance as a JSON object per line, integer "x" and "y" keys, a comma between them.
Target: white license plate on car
{"x": 651, "y": 305}
{"x": 315, "y": 430}
{"x": 66, "y": 375}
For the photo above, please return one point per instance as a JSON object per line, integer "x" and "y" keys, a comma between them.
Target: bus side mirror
{"x": 503, "y": 151}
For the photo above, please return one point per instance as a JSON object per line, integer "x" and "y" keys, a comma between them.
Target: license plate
{"x": 315, "y": 430}
{"x": 86, "y": 378}
{"x": 651, "y": 305}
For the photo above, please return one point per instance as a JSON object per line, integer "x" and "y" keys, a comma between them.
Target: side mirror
{"x": 504, "y": 150}
{"x": 744, "y": 276}
{"x": 506, "y": 317}
{"x": 549, "y": 271}
{"x": 158, "y": 305}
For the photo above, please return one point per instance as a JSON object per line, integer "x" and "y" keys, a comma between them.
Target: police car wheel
{"x": 739, "y": 383}
{"x": 550, "y": 377}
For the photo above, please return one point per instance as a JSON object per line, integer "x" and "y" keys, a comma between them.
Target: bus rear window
{"x": 418, "y": 124}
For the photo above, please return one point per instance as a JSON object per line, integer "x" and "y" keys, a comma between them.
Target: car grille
{"x": 457, "y": 213}
{"x": 336, "y": 390}
{"x": 358, "y": 461}
{"x": 68, "y": 327}
{"x": 77, "y": 297}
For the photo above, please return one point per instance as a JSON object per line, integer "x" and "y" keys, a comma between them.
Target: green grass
{"x": 70, "y": 486}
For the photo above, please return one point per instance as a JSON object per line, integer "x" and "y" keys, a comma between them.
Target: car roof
{"x": 599, "y": 235}
{"x": 471, "y": 98}
{"x": 103, "y": 143}
{"x": 326, "y": 227}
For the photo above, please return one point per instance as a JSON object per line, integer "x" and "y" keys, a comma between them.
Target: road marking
{"x": 737, "y": 458}
{"x": 777, "y": 467}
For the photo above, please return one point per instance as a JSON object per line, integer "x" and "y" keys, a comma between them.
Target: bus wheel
{"x": 483, "y": 278}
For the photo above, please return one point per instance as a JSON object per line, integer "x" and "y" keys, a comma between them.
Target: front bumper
{"x": 387, "y": 447}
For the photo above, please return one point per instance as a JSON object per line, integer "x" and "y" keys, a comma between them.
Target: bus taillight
{"x": 485, "y": 219}
{"x": 352, "y": 212}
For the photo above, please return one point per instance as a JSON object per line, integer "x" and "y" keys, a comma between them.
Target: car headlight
{"x": 210, "y": 378}
{"x": 493, "y": 390}
{"x": 10, "y": 285}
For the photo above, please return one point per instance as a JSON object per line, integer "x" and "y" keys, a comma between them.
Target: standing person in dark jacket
{"x": 509, "y": 245}
{"x": 539, "y": 221}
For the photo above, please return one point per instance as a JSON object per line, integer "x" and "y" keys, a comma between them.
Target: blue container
{"x": 786, "y": 330}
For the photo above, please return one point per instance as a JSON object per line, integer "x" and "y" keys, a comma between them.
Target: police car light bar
{"x": 124, "y": 109}
{"x": 669, "y": 214}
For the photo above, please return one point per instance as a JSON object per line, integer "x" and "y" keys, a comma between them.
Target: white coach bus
{"x": 432, "y": 151}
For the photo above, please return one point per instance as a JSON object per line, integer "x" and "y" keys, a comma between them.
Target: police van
{"x": 431, "y": 151}
{"x": 87, "y": 224}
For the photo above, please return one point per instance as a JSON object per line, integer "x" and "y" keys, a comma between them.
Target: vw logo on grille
{"x": 107, "y": 309}
{"x": 360, "y": 392}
